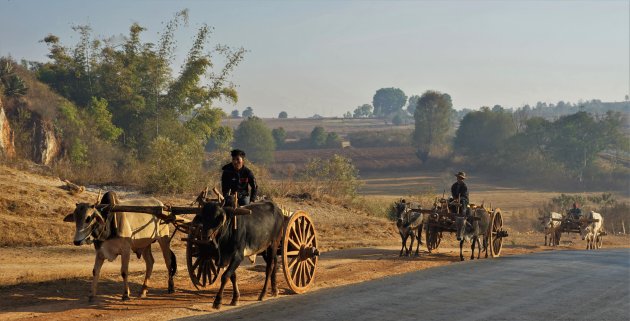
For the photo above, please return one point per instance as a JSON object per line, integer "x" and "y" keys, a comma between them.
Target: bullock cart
{"x": 298, "y": 247}
{"x": 569, "y": 224}
{"x": 441, "y": 218}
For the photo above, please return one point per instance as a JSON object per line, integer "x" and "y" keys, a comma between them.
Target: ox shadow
{"x": 68, "y": 294}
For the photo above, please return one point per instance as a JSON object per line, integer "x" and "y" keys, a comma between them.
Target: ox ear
{"x": 69, "y": 218}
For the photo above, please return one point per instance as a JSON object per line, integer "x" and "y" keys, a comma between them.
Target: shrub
{"x": 172, "y": 168}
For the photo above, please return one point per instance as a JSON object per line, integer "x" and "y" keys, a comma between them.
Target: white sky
{"x": 328, "y": 57}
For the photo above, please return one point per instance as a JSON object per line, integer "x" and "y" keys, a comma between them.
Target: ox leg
{"x": 545, "y": 239}
{"x": 96, "y": 272}
{"x": 270, "y": 259}
{"x": 461, "y": 250}
{"x": 412, "y": 236}
{"x": 227, "y": 275}
{"x": 170, "y": 260}
{"x": 419, "y": 239}
{"x": 403, "y": 245}
{"x": 420, "y": 233}
{"x": 236, "y": 294}
{"x": 472, "y": 248}
{"x": 485, "y": 246}
{"x": 478, "y": 248}
{"x": 124, "y": 272}
{"x": 148, "y": 260}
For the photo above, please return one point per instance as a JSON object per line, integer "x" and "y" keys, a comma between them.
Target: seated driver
{"x": 459, "y": 191}
{"x": 237, "y": 178}
{"x": 575, "y": 213}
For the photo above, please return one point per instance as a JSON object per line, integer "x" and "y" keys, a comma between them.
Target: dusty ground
{"x": 52, "y": 282}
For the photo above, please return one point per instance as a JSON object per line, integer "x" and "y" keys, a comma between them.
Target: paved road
{"x": 558, "y": 285}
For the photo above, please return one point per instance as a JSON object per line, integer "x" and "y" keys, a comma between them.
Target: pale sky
{"x": 328, "y": 57}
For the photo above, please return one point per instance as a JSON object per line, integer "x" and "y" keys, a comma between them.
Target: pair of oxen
{"x": 590, "y": 225}
{"x": 471, "y": 228}
{"x": 120, "y": 234}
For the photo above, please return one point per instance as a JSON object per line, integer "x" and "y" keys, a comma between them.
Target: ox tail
{"x": 173, "y": 268}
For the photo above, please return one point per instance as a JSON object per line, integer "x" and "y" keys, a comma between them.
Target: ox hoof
{"x": 234, "y": 303}
{"x": 274, "y": 293}
{"x": 216, "y": 305}
{"x": 461, "y": 259}
{"x": 171, "y": 290}
{"x": 91, "y": 299}
{"x": 125, "y": 297}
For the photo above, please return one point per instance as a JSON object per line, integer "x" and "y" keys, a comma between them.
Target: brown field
{"x": 340, "y": 126}
{"x": 52, "y": 281}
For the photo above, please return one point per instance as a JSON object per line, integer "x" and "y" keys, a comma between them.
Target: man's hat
{"x": 461, "y": 174}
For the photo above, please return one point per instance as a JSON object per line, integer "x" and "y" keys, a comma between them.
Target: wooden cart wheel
{"x": 495, "y": 240}
{"x": 299, "y": 252}
{"x": 433, "y": 238}
{"x": 201, "y": 267}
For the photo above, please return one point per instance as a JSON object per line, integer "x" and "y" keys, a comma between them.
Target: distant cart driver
{"x": 459, "y": 191}
{"x": 575, "y": 212}
{"x": 236, "y": 178}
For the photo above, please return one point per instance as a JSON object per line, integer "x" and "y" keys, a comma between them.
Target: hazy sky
{"x": 328, "y": 57}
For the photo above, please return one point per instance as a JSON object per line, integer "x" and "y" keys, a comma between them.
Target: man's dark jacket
{"x": 237, "y": 181}
{"x": 459, "y": 190}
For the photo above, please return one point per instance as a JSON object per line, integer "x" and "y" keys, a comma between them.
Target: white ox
{"x": 551, "y": 227}
{"x": 121, "y": 234}
{"x": 590, "y": 228}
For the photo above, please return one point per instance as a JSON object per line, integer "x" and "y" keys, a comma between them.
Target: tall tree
{"x": 388, "y": 101}
{"x": 318, "y": 137}
{"x": 413, "y": 102}
{"x": 283, "y": 115}
{"x": 363, "y": 111}
{"x": 279, "y": 136}
{"x": 483, "y": 132}
{"x": 432, "y": 121}
{"x": 248, "y": 112}
{"x": 255, "y": 138}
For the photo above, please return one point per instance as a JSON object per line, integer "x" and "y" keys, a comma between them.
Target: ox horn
{"x": 216, "y": 192}
{"x": 98, "y": 197}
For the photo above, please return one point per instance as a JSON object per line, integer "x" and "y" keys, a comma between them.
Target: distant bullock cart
{"x": 590, "y": 227}
{"x": 480, "y": 225}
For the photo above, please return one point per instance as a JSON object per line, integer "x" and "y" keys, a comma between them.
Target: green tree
{"x": 175, "y": 171}
{"x": 98, "y": 112}
{"x": 432, "y": 121}
{"x": 279, "y": 136}
{"x": 235, "y": 114}
{"x": 363, "y": 111}
{"x": 333, "y": 140}
{"x": 318, "y": 137}
{"x": 388, "y": 101}
{"x": 397, "y": 120}
{"x": 484, "y": 132}
{"x": 578, "y": 138}
{"x": 11, "y": 85}
{"x": 413, "y": 102}
{"x": 248, "y": 112}
{"x": 255, "y": 138}
{"x": 221, "y": 139}
{"x": 347, "y": 115}
{"x": 283, "y": 115}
